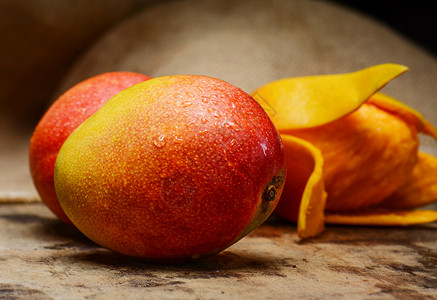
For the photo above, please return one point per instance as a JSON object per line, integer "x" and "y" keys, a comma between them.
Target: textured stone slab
{"x": 42, "y": 258}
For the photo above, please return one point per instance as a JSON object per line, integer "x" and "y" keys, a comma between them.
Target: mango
{"x": 172, "y": 169}
{"x": 70, "y": 110}
{"x": 356, "y": 149}
{"x": 364, "y": 162}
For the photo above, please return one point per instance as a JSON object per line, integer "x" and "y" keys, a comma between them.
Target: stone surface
{"x": 42, "y": 258}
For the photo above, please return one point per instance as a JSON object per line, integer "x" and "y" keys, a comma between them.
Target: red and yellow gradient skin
{"x": 69, "y": 111}
{"x": 175, "y": 168}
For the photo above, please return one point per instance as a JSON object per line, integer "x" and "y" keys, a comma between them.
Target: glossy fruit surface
{"x": 69, "y": 111}
{"x": 175, "y": 168}
{"x": 354, "y": 151}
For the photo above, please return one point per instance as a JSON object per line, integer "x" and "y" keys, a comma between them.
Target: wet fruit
{"x": 175, "y": 168}
{"x": 69, "y": 111}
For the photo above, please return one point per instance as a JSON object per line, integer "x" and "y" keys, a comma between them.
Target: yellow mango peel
{"x": 304, "y": 187}
{"x": 372, "y": 170}
{"x": 383, "y": 217}
{"x": 303, "y": 102}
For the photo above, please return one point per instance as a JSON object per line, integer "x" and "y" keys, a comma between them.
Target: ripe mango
{"x": 174, "y": 168}
{"x": 69, "y": 111}
{"x": 355, "y": 149}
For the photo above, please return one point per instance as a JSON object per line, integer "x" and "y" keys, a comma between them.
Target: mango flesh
{"x": 351, "y": 144}
{"x": 69, "y": 111}
{"x": 421, "y": 187}
{"x": 174, "y": 168}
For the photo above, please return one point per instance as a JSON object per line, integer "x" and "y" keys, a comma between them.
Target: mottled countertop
{"x": 43, "y": 258}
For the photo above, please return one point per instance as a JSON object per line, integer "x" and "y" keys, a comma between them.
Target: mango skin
{"x": 172, "y": 169}
{"x": 69, "y": 111}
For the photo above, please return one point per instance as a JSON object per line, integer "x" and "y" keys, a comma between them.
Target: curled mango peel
{"x": 380, "y": 217}
{"x": 367, "y": 143}
{"x": 304, "y": 187}
{"x": 304, "y": 102}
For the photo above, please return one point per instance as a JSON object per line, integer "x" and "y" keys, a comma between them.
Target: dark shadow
{"x": 356, "y": 235}
{"x": 34, "y": 220}
{"x": 227, "y": 264}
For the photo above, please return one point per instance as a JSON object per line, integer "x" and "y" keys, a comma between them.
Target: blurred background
{"x": 41, "y": 39}
{"x": 49, "y": 45}
{"x": 414, "y": 19}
